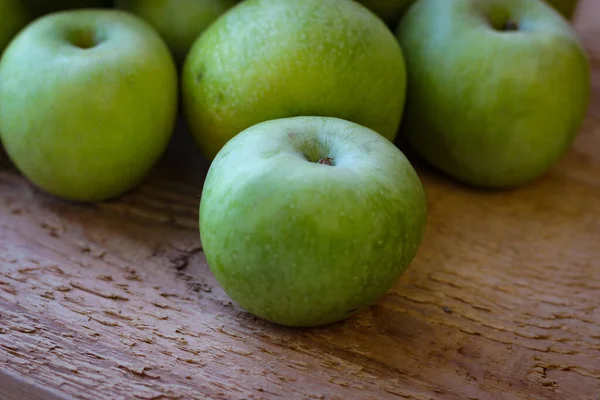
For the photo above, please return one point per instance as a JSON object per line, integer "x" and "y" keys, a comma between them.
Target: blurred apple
{"x": 566, "y": 7}
{"x": 179, "y": 22}
{"x": 13, "y": 17}
{"x": 390, "y": 11}
{"x": 267, "y": 59}
{"x": 88, "y": 102}
{"x": 38, "y": 8}
{"x": 497, "y": 89}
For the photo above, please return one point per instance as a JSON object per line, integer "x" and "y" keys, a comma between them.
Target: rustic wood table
{"x": 115, "y": 300}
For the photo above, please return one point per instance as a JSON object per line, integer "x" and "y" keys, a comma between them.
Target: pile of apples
{"x": 310, "y": 211}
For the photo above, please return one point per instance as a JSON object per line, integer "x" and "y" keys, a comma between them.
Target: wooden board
{"x": 115, "y": 300}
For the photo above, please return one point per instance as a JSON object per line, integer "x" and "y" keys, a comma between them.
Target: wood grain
{"x": 115, "y": 301}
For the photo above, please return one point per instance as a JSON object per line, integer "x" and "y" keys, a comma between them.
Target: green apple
{"x": 306, "y": 220}
{"x": 390, "y": 11}
{"x": 14, "y": 17}
{"x": 179, "y": 22}
{"x": 497, "y": 89}
{"x": 37, "y": 8}
{"x": 88, "y": 101}
{"x": 267, "y": 59}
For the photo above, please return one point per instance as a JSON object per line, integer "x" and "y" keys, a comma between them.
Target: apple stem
{"x": 325, "y": 161}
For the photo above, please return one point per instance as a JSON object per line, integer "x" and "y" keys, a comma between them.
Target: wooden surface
{"x": 115, "y": 300}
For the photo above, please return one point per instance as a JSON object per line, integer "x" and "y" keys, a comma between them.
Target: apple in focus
{"x": 88, "y": 101}
{"x": 267, "y": 59}
{"x": 306, "y": 220}
{"x": 179, "y": 22}
{"x": 497, "y": 89}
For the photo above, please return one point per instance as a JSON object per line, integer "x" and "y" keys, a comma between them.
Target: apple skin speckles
{"x": 268, "y": 59}
{"x": 87, "y": 124}
{"x": 316, "y": 240}
{"x": 490, "y": 108}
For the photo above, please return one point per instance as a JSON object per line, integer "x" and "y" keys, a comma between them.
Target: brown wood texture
{"x": 115, "y": 301}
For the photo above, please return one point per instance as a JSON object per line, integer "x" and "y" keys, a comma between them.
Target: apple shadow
{"x": 430, "y": 173}
{"x": 163, "y": 205}
{"x": 160, "y": 213}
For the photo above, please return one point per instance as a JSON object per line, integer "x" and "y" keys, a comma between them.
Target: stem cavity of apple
{"x": 325, "y": 161}
{"x": 84, "y": 39}
{"x": 510, "y": 25}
